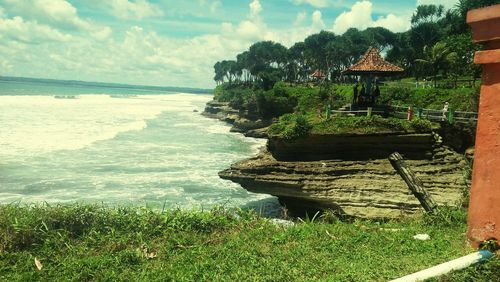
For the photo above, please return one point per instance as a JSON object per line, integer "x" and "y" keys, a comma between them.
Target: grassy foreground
{"x": 83, "y": 242}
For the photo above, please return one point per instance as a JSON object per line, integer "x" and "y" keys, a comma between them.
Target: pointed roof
{"x": 318, "y": 74}
{"x": 372, "y": 63}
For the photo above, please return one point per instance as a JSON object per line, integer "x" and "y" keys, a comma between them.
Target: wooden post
{"x": 451, "y": 116}
{"x": 414, "y": 184}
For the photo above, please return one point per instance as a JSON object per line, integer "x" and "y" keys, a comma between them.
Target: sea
{"x": 66, "y": 142}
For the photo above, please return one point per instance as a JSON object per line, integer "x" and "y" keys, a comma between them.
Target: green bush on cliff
{"x": 264, "y": 104}
{"x": 291, "y": 126}
{"x": 367, "y": 125}
{"x": 282, "y": 98}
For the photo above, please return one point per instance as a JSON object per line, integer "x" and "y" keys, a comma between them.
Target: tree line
{"x": 437, "y": 44}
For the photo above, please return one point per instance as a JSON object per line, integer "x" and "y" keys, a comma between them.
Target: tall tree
{"x": 437, "y": 58}
{"x": 297, "y": 68}
{"x": 316, "y": 50}
{"x": 427, "y": 14}
{"x": 267, "y": 61}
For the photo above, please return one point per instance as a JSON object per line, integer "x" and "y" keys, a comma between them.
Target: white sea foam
{"x": 140, "y": 150}
{"x": 30, "y": 124}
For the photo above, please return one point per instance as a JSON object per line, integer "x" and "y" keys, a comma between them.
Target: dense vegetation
{"x": 438, "y": 44}
{"x": 269, "y": 80}
{"x": 82, "y": 243}
{"x": 292, "y": 126}
{"x": 282, "y": 98}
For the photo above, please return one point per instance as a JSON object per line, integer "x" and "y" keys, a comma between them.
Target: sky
{"x": 167, "y": 42}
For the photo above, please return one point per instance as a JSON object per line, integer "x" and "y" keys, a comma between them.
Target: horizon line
{"x": 104, "y": 83}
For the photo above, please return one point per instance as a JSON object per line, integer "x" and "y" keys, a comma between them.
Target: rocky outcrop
{"x": 366, "y": 187}
{"x": 242, "y": 121}
{"x": 353, "y": 146}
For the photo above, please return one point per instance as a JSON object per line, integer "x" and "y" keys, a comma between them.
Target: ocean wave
{"x": 33, "y": 124}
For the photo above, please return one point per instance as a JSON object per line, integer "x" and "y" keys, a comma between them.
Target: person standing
{"x": 376, "y": 94}
{"x": 362, "y": 94}
{"x": 445, "y": 111}
{"x": 355, "y": 95}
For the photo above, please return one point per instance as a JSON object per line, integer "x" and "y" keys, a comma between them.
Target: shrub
{"x": 363, "y": 124}
{"x": 291, "y": 126}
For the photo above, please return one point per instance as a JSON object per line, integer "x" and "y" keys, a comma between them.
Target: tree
{"x": 267, "y": 60}
{"x": 427, "y": 14}
{"x": 463, "y": 6}
{"x": 463, "y": 63}
{"x": 316, "y": 50}
{"x": 219, "y": 74}
{"x": 380, "y": 37}
{"x": 437, "y": 58}
{"x": 357, "y": 43}
{"x": 296, "y": 68}
{"x": 243, "y": 63}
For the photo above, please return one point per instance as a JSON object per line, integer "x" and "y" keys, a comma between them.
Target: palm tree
{"x": 437, "y": 58}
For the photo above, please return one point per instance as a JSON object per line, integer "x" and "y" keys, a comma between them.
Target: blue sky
{"x": 167, "y": 42}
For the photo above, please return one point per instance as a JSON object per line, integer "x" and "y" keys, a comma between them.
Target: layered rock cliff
{"x": 242, "y": 121}
{"x": 351, "y": 174}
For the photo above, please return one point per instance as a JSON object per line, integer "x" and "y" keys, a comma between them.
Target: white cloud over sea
{"x": 163, "y": 42}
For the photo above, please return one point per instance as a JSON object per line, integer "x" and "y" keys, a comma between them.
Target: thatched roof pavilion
{"x": 372, "y": 64}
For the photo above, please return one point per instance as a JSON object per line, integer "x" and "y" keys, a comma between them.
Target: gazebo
{"x": 318, "y": 75}
{"x": 370, "y": 66}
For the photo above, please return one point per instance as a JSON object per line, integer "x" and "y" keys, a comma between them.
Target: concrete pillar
{"x": 484, "y": 206}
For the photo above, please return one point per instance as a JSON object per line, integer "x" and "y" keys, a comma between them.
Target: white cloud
{"x": 29, "y": 32}
{"x": 255, "y": 8}
{"x": 138, "y": 55}
{"x": 138, "y": 9}
{"x": 59, "y": 13}
{"x": 300, "y": 18}
{"x": 102, "y": 34}
{"x": 314, "y": 3}
{"x": 215, "y": 5}
{"x": 360, "y": 17}
{"x": 392, "y": 22}
{"x": 317, "y": 21}
{"x": 446, "y": 3}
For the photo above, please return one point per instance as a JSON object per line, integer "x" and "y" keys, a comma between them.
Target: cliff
{"x": 242, "y": 121}
{"x": 351, "y": 174}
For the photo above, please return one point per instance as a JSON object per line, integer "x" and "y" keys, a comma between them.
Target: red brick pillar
{"x": 484, "y": 207}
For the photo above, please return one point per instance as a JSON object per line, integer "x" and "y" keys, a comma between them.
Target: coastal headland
{"x": 347, "y": 173}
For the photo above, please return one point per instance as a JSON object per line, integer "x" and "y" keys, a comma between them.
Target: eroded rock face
{"x": 366, "y": 188}
{"x": 353, "y": 146}
{"x": 242, "y": 122}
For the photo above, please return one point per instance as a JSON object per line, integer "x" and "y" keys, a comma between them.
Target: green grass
{"x": 81, "y": 242}
{"x": 489, "y": 271}
{"x": 460, "y": 99}
{"x": 291, "y": 126}
{"x": 368, "y": 125}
